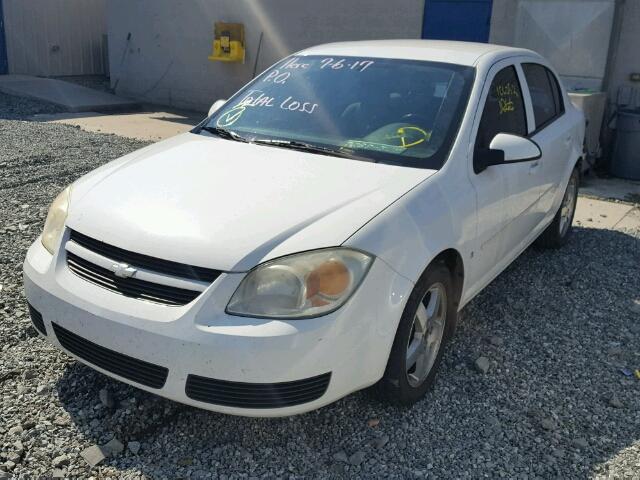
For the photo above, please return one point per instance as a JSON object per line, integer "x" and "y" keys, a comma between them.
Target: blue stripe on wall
{"x": 4, "y": 65}
{"x": 467, "y": 20}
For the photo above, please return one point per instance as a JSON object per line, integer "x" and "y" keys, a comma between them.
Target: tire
{"x": 559, "y": 230}
{"x": 404, "y": 384}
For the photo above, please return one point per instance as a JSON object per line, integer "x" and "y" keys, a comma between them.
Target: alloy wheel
{"x": 426, "y": 334}
{"x": 568, "y": 205}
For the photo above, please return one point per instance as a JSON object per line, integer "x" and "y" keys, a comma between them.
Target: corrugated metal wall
{"x": 55, "y": 37}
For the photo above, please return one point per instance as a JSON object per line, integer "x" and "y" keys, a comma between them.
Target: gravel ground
{"x": 556, "y": 328}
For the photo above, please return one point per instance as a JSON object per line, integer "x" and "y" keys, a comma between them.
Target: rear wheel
{"x": 426, "y": 325}
{"x": 559, "y": 230}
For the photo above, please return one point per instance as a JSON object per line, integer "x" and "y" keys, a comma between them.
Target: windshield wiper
{"x": 224, "y": 133}
{"x": 308, "y": 147}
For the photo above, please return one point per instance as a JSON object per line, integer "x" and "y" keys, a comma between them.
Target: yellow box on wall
{"x": 228, "y": 42}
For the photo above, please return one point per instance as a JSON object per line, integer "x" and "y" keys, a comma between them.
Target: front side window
{"x": 545, "y": 94}
{"x": 503, "y": 110}
{"x": 402, "y": 112}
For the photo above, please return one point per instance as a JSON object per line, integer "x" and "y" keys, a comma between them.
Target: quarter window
{"x": 545, "y": 93}
{"x": 503, "y": 110}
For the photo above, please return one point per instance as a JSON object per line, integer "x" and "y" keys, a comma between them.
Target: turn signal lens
{"x": 303, "y": 285}
{"x": 327, "y": 282}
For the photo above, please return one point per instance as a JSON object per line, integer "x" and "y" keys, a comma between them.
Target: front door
{"x": 491, "y": 185}
{"x": 525, "y": 180}
{"x": 467, "y": 20}
{"x": 506, "y": 194}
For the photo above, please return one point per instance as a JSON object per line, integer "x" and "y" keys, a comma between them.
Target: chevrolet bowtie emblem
{"x": 123, "y": 270}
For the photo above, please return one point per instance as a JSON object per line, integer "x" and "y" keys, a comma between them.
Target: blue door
{"x": 467, "y": 20}
{"x": 4, "y": 68}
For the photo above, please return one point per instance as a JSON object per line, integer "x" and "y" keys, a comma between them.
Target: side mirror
{"x": 216, "y": 106}
{"x": 506, "y": 148}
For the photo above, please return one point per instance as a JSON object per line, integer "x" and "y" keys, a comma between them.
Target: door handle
{"x": 568, "y": 140}
{"x": 534, "y": 165}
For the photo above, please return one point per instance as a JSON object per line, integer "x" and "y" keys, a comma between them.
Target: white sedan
{"x": 318, "y": 233}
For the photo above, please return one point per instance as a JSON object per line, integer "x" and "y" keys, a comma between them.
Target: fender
{"x": 419, "y": 227}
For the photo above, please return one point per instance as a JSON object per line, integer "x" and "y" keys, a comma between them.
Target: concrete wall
{"x": 625, "y": 56}
{"x": 572, "y": 34}
{"x": 158, "y": 48}
{"x": 55, "y": 37}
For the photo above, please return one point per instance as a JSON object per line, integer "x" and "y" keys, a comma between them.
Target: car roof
{"x": 461, "y": 53}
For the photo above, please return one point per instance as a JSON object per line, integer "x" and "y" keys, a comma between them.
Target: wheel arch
{"x": 452, "y": 259}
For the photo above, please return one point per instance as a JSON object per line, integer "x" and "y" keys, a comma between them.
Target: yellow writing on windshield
{"x": 411, "y": 136}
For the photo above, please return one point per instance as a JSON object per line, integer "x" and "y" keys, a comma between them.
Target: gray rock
{"x": 548, "y": 424}
{"x": 581, "y": 443}
{"x": 17, "y": 430}
{"x": 113, "y": 447}
{"x": 381, "y": 441}
{"x": 357, "y": 458}
{"x": 61, "y": 421}
{"x": 134, "y": 447}
{"x": 18, "y": 446}
{"x": 58, "y": 473}
{"x": 615, "y": 402}
{"x": 497, "y": 341}
{"x": 42, "y": 389}
{"x": 482, "y": 364}
{"x": 341, "y": 456}
{"x": 614, "y": 351}
{"x": 93, "y": 455}
{"x": 28, "y": 424}
{"x": 14, "y": 457}
{"x": 60, "y": 461}
{"x": 106, "y": 398}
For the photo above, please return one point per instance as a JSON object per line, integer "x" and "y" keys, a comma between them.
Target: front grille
{"x": 145, "y": 261}
{"x": 130, "y": 287}
{"x": 36, "y": 319}
{"x": 138, "y": 371}
{"x": 256, "y": 395}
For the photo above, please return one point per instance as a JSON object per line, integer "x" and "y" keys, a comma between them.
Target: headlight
{"x": 54, "y": 224}
{"x": 302, "y": 285}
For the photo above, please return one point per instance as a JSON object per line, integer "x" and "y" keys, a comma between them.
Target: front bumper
{"x": 202, "y": 341}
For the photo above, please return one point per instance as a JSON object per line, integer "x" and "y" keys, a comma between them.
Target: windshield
{"x": 402, "y": 112}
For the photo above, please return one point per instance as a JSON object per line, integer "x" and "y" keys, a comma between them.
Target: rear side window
{"x": 503, "y": 110}
{"x": 545, "y": 94}
{"x": 557, "y": 96}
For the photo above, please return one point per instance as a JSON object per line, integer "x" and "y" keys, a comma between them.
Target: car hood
{"x": 226, "y": 205}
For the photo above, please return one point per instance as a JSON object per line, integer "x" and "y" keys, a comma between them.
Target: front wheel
{"x": 559, "y": 230}
{"x": 426, "y": 325}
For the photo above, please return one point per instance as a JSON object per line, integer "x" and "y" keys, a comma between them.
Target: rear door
{"x": 550, "y": 129}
